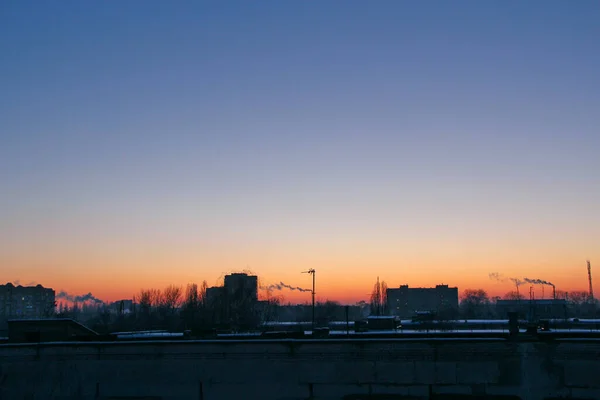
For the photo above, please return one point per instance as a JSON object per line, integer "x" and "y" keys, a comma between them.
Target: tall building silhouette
{"x": 26, "y": 301}
{"x": 234, "y": 304}
{"x": 241, "y": 287}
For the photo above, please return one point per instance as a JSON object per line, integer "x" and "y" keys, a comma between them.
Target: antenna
{"x": 589, "y": 267}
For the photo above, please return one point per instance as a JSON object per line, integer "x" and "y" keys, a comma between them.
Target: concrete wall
{"x": 302, "y": 369}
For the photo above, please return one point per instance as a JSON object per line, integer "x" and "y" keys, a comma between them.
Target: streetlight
{"x": 312, "y": 272}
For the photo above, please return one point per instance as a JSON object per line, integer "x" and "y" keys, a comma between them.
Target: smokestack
{"x": 553, "y": 292}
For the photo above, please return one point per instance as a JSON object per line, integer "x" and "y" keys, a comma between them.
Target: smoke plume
{"x": 516, "y": 281}
{"x": 282, "y": 286}
{"x": 497, "y": 277}
{"x": 501, "y": 278}
{"x": 78, "y": 299}
{"x": 17, "y": 282}
{"x": 538, "y": 282}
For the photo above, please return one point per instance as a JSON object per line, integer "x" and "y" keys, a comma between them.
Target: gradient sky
{"x": 144, "y": 143}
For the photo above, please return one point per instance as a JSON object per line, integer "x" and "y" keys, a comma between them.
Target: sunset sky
{"x": 148, "y": 143}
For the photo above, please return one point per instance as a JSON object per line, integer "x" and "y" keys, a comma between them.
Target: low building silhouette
{"x": 533, "y": 309}
{"x": 214, "y": 295}
{"x": 405, "y": 302}
{"x": 48, "y": 330}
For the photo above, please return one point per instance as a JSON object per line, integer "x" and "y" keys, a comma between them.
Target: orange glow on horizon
{"x": 346, "y": 292}
{"x": 344, "y": 275}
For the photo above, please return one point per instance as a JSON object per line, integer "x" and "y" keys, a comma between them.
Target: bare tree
{"x": 156, "y": 298}
{"x": 384, "y": 305}
{"x": 202, "y": 294}
{"x": 145, "y": 301}
{"x": 171, "y": 298}
{"x": 379, "y": 298}
{"x": 578, "y": 297}
{"x": 191, "y": 296}
{"x": 475, "y": 303}
{"x": 149, "y": 301}
{"x": 270, "y": 306}
{"x": 580, "y": 304}
{"x": 513, "y": 295}
{"x": 191, "y": 306}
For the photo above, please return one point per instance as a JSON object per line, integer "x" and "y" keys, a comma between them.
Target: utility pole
{"x": 312, "y": 272}
{"x": 589, "y": 268}
{"x": 531, "y": 305}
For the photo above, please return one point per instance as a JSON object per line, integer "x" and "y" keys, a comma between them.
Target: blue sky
{"x": 252, "y": 125}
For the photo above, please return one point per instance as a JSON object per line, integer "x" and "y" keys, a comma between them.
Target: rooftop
{"x": 11, "y": 285}
{"x": 535, "y": 301}
{"x": 442, "y": 286}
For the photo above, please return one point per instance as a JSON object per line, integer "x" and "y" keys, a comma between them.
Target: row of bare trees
{"x": 177, "y": 309}
{"x": 173, "y": 308}
{"x": 476, "y": 303}
{"x": 576, "y": 297}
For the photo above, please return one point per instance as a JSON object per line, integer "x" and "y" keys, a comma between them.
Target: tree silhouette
{"x": 171, "y": 298}
{"x": 513, "y": 295}
{"x": 190, "y": 309}
{"x": 148, "y": 302}
{"x": 475, "y": 303}
{"x": 384, "y": 302}
{"x": 578, "y": 297}
{"x": 379, "y": 298}
{"x": 169, "y": 302}
{"x": 269, "y": 306}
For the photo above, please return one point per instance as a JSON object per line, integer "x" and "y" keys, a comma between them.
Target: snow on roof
{"x": 482, "y": 321}
{"x": 148, "y": 335}
{"x": 238, "y": 334}
{"x": 138, "y": 332}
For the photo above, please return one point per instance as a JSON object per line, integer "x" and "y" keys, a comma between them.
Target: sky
{"x": 148, "y": 143}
